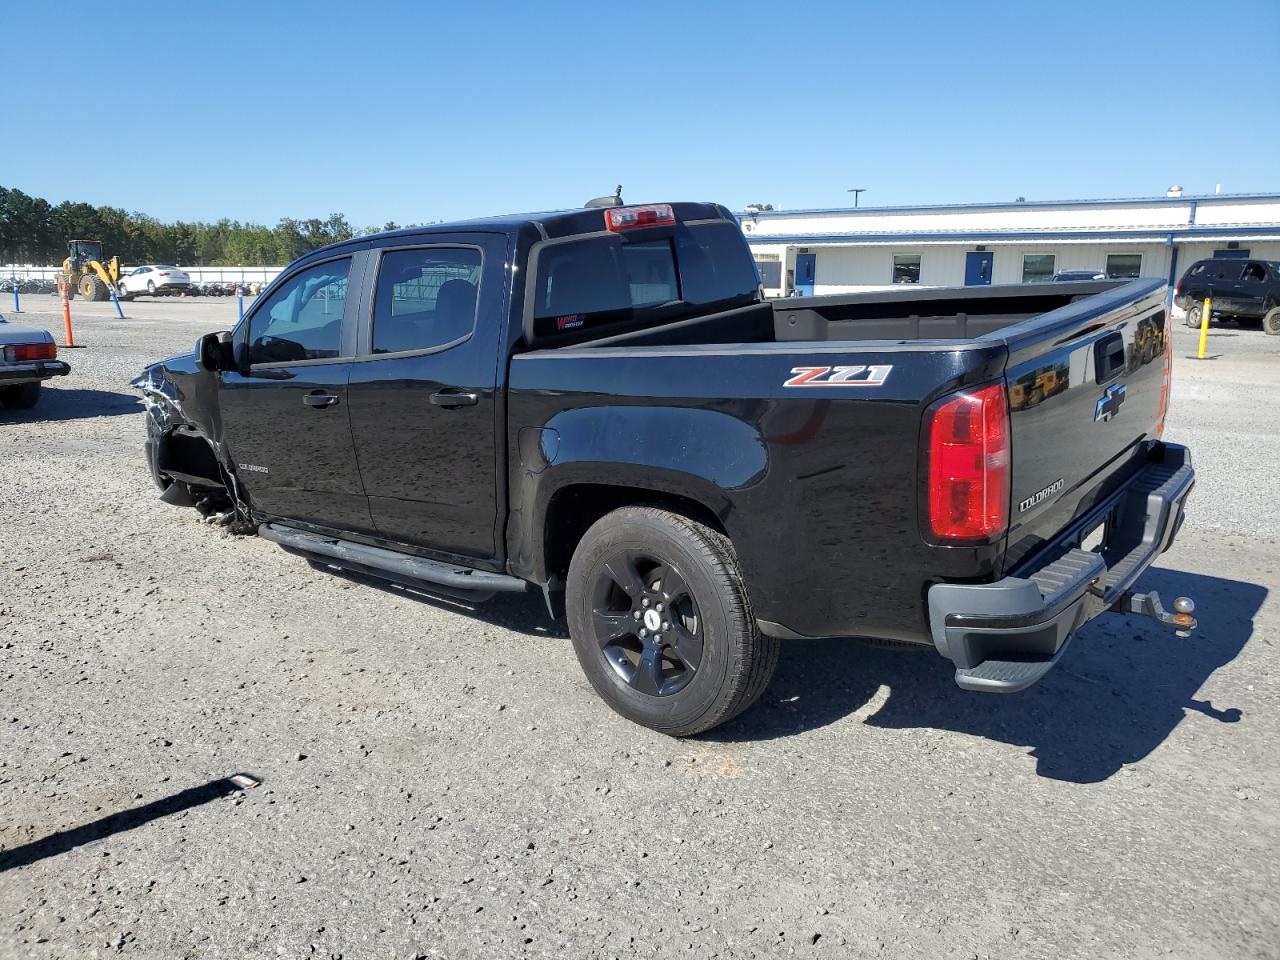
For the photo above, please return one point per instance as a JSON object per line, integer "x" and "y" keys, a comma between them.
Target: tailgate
{"x": 1087, "y": 389}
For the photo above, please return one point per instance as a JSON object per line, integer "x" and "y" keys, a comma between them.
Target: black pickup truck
{"x": 601, "y": 404}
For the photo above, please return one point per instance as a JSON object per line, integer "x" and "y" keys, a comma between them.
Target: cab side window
{"x": 302, "y": 320}
{"x": 1254, "y": 271}
{"x": 425, "y": 298}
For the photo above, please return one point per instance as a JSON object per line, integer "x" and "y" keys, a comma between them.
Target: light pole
{"x": 855, "y": 191}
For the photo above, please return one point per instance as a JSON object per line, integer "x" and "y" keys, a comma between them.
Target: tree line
{"x": 35, "y": 231}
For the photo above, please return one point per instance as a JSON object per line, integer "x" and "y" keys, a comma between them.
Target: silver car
{"x": 28, "y": 357}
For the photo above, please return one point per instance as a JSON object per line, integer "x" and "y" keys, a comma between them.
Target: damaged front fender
{"x": 183, "y": 445}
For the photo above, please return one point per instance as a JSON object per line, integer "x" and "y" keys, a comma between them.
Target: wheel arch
{"x": 572, "y": 508}
{"x": 186, "y": 454}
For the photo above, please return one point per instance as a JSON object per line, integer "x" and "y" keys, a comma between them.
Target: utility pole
{"x": 855, "y": 191}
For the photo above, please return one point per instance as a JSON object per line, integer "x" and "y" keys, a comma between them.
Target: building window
{"x": 1124, "y": 266}
{"x": 906, "y": 268}
{"x": 1037, "y": 267}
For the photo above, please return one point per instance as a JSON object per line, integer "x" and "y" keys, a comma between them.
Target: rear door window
{"x": 426, "y": 298}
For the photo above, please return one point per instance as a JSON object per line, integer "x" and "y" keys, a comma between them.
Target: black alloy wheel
{"x": 646, "y": 623}
{"x": 661, "y": 621}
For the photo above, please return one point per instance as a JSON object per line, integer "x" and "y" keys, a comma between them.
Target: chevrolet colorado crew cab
{"x": 601, "y": 404}
{"x": 28, "y": 357}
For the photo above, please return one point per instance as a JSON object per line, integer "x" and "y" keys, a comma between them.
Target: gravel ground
{"x": 442, "y": 782}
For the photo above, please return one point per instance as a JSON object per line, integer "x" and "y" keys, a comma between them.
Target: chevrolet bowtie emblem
{"x": 1109, "y": 403}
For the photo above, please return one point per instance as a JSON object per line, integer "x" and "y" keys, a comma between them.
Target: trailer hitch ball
{"x": 1148, "y": 605}
{"x": 1183, "y": 608}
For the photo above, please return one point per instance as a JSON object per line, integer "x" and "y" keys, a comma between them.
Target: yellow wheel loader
{"x": 84, "y": 272}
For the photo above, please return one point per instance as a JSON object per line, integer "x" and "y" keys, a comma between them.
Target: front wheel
{"x": 661, "y": 622}
{"x": 1271, "y": 322}
{"x": 1193, "y": 316}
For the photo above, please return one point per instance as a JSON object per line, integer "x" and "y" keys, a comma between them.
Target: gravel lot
{"x": 441, "y": 782}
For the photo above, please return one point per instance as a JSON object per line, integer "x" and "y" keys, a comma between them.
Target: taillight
{"x": 1177, "y": 287}
{"x": 31, "y": 351}
{"x": 618, "y": 219}
{"x": 968, "y": 465}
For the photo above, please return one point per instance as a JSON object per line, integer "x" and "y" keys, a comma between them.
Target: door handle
{"x": 455, "y": 398}
{"x": 318, "y": 399}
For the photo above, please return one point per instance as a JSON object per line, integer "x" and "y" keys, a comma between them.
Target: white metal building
{"x": 844, "y": 250}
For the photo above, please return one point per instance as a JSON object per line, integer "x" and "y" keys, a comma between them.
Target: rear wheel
{"x": 661, "y": 623}
{"x": 151, "y": 287}
{"x": 1193, "y": 316}
{"x": 1271, "y": 322}
{"x": 23, "y": 396}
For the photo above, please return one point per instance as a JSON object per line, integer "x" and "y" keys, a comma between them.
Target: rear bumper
{"x": 1004, "y": 636}
{"x": 11, "y": 373}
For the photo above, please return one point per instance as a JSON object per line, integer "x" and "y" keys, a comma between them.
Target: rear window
{"x": 604, "y": 281}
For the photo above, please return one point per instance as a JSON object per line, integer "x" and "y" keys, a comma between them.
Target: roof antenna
{"x": 614, "y": 201}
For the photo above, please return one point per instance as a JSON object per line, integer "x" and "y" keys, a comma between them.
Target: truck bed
{"x": 709, "y": 405}
{"x": 941, "y": 313}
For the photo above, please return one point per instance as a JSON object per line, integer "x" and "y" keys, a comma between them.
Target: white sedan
{"x": 153, "y": 279}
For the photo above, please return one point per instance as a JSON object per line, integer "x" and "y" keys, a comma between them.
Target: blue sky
{"x": 435, "y": 111}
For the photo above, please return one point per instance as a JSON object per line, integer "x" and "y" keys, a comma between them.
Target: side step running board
{"x": 399, "y": 568}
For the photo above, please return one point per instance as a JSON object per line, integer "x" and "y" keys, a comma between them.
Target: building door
{"x": 806, "y": 269}
{"x": 977, "y": 269}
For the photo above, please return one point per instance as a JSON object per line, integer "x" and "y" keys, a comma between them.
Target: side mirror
{"x": 213, "y": 352}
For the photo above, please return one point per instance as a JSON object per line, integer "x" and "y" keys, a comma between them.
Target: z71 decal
{"x": 854, "y": 376}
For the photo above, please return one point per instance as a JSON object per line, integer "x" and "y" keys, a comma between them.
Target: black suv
{"x": 1246, "y": 290}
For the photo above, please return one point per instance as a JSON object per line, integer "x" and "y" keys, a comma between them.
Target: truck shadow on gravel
{"x": 1119, "y": 692}
{"x": 59, "y": 404}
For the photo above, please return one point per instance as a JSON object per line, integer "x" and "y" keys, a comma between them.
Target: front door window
{"x": 303, "y": 319}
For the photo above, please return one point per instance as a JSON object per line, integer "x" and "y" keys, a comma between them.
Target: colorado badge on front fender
{"x": 857, "y": 375}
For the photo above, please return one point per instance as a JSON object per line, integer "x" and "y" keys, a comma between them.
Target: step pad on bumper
{"x": 1003, "y": 676}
